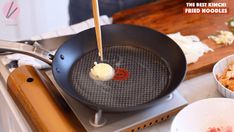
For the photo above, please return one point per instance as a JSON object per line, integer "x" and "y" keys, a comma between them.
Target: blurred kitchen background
{"x": 35, "y": 17}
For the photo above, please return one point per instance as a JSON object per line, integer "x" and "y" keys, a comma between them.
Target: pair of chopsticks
{"x": 97, "y": 27}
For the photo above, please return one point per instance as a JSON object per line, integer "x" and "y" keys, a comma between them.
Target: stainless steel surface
{"x": 4, "y": 72}
{"x": 35, "y": 50}
{"x": 121, "y": 121}
{"x": 98, "y": 120}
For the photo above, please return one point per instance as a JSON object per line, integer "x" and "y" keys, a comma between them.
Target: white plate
{"x": 204, "y": 114}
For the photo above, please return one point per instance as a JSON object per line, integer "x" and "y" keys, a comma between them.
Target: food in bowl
{"x": 206, "y": 115}
{"x": 227, "y": 77}
{"x": 220, "y": 129}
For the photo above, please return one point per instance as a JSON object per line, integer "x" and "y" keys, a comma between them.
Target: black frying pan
{"x": 151, "y": 66}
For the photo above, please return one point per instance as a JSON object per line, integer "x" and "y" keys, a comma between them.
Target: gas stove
{"x": 97, "y": 121}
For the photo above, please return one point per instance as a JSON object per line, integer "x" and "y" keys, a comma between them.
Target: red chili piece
{"x": 121, "y": 74}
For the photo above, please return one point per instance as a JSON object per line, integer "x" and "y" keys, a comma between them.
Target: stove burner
{"x": 125, "y": 121}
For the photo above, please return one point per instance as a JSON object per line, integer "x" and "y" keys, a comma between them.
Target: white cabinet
{"x": 35, "y": 17}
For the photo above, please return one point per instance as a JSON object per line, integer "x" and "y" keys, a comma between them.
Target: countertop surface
{"x": 164, "y": 18}
{"x": 195, "y": 89}
{"x": 167, "y": 16}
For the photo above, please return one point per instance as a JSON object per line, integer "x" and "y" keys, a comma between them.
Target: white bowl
{"x": 204, "y": 114}
{"x": 218, "y": 69}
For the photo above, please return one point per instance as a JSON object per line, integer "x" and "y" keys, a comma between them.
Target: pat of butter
{"x": 102, "y": 72}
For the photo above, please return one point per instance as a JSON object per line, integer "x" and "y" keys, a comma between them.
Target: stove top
{"x": 96, "y": 121}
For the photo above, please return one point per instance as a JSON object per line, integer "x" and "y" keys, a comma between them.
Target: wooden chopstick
{"x": 97, "y": 27}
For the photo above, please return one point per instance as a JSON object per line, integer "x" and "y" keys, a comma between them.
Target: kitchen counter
{"x": 195, "y": 89}
{"x": 198, "y": 88}
{"x": 163, "y": 16}
{"x": 167, "y": 16}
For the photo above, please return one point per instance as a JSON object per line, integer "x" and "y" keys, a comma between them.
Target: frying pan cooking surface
{"x": 148, "y": 77}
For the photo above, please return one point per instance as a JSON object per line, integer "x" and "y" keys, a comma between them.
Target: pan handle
{"x": 31, "y": 50}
